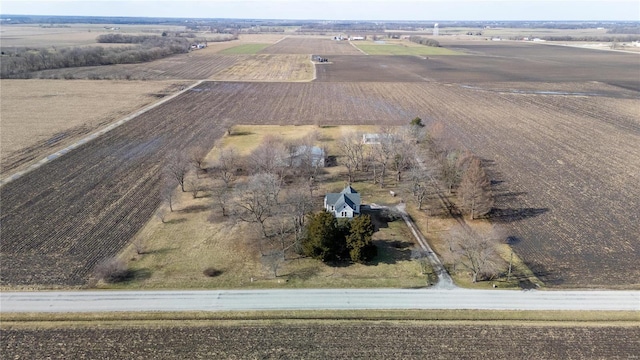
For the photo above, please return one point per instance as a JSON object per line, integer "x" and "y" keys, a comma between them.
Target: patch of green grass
{"x": 245, "y": 49}
{"x": 385, "y": 49}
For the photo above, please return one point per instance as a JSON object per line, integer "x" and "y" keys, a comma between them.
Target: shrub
{"x": 212, "y": 272}
{"x": 361, "y": 249}
{"x": 112, "y": 270}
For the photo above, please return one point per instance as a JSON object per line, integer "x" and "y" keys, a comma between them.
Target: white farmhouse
{"x": 345, "y": 204}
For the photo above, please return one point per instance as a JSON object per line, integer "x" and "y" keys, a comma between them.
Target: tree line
{"x": 424, "y": 41}
{"x": 596, "y": 38}
{"x": 21, "y": 62}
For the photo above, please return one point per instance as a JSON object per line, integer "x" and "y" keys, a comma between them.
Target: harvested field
{"x": 59, "y": 221}
{"x": 403, "y": 49}
{"x": 268, "y": 68}
{"x": 325, "y": 339}
{"x": 197, "y": 65}
{"x": 566, "y": 169}
{"x": 310, "y": 45}
{"x": 491, "y": 63}
{"x": 40, "y": 117}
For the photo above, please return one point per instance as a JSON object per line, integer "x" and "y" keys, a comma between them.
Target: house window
{"x": 344, "y": 213}
{"x": 332, "y": 208}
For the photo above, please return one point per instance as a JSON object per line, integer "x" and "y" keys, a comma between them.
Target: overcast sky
{"x": 339, "y": 9}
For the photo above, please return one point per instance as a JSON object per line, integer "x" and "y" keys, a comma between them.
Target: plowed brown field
{"x": 513, "y": 62}
{"x": 341, "y": 340}
{"x": 183, "y": 66}
{"x": 566, "y": 168}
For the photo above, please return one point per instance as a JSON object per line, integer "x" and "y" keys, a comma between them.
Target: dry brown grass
{"x": 191, "y": 239}
{"x": 40, "y": 117}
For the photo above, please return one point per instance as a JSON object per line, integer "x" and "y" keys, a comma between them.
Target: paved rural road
{"x": 316, "y": 299}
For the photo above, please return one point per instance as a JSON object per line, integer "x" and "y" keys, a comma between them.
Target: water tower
{"x": 435, "y": 29}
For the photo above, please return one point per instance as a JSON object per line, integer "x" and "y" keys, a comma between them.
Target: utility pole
{"x": 510, "y": 263}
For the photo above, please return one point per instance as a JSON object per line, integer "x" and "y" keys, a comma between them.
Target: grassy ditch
{"x": 549, "y": 317}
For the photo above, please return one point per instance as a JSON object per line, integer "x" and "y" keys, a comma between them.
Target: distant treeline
{"x": 627, "y": 38}
{"x": 131, "y": 39}
{"x": 424, "y": 41}
{"x": 19, "y": 63}
{"x": 625, "y": 30}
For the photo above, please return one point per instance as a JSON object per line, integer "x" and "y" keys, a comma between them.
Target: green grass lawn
{"x": 244, "y": 49}
{"x": 378, "y": 49}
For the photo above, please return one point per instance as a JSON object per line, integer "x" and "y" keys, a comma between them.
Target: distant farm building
{"x": 356, "y": 38}
{"x": 373, "y": 139}
{"x": 313, "y": 155}
{"x": 198, "y": 46}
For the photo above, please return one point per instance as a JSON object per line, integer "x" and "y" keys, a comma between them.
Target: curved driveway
{"x": 317, "y": 299}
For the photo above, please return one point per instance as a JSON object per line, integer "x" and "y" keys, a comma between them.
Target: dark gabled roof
{"x": 348, "y": 196}
{"x": 352, "y": 200}
{"x": 348, "y": 190}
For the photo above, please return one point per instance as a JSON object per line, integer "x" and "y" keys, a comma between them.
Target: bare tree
{"x": 227, "y": 165}
{"x": 112, "y": 270}
{"x": 269, "y": 157}
{"x": 221, "y": 196}
{"x": 383, "y": 153}
{"x": 403, "y": 150}
{"x": 161, "y": 213}
{"x": 138, "y": 245}
{"x": 453, "y": 164}
{"x": 195, "y": 186}
{"x": 197, "y": 155}
{"x": 421, "y": 183}
{"x": 473, "y": 252}
{"x": 272, "y": 260}
{"x": 177, "y": 167}
{"x": 351, "y": 148}
{"x": 475, "y": 190}
{"x": 167, "y": 188}
{"x": 258, "y": 199}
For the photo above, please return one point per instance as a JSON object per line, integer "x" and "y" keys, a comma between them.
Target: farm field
{"x": 264, "y": 67}
{"x": 244, "y": 49}
{"x": 40, "y": 117}
{"x": 323, "y": 339}
{"x": 70, "y": 34}
{"x": 177, "y": 67}
{"x": 198, "y": 65}
{"x": 487, "y": 62}
{"x": 324, "y": 46}
{"x": 402, "y": 49}
{"x": 565, "y": 166}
